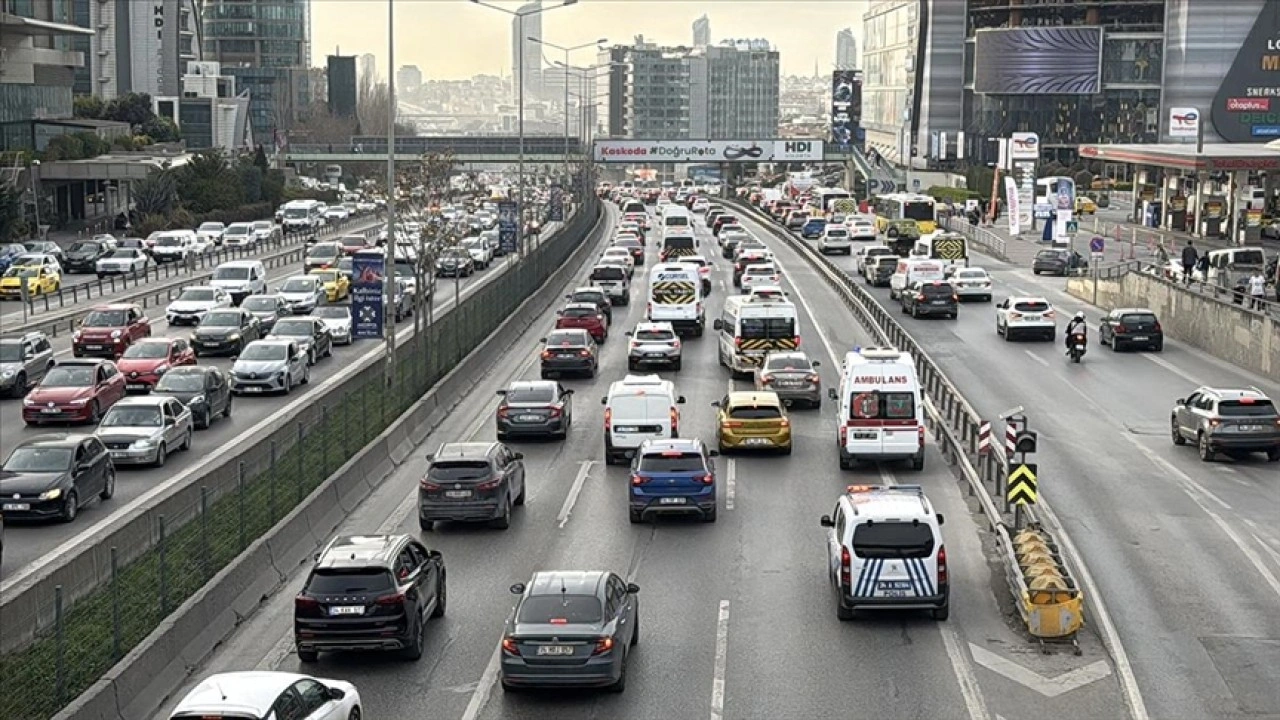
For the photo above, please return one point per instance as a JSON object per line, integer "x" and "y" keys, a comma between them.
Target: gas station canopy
{"x": 1218, "y": 157}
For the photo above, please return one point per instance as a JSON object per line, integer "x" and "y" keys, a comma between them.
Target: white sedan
{"x": 123, "y": 261}
{"x": 337, "y": 212}
{"x": 760, "y": 274}
{"x": 1020, "y": 316}
{"x": 262, "y": 694}
{"x": 700, "y": 206}
{"x": 862, "y": 230}
{"x": 337, "y": 318}
{"x": 619, "y": 254}
{"x": 194, "y": 302}
{"x": 971, "y": 282}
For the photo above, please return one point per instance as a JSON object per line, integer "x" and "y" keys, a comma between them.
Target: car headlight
{"x": 115, "y": 334}
{"x": 161, "y": 369}
{"x": 78, "y": 403}
{"x": 144, "y": 443}
{"x": 75, "y": 335}
{"x": 233, "y": 337}
{"x": 28, "y": 402}
{"x": 53, "y": 494}
{"x": 197, "y": 400}
{"x": 7, "y": 374}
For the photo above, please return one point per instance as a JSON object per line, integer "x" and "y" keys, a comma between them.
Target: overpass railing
{"x": 478, "y": 145}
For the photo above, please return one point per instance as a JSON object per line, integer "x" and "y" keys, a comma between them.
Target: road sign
{"x": 1097, "y": 245}
{"x": 873, "y": 185}
{"x": 1021, "y": 488}
{"x": 1073, "y": 227}
{"x": 984, "y": 438}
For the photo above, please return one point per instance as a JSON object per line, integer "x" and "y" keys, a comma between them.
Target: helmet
{"x": 1080, "y": 315}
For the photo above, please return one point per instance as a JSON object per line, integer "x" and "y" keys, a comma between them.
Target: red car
{"x": 721, "y": 222}
{"x": 74, "y": 391}
{"x": 146, "y": 360}
{"x": 352, "y": 244}
{"x": 108, "y": 330}
{"x": 584, "y": 316}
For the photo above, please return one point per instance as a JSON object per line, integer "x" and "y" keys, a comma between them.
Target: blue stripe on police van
{"x": 926, "y": 586}
{"x": 924, "y": 568}
{"x": 862, "y": 578}
{"x": 871, "y": 571}
{"x": 912, "y": 576}
{"x": 875, "y": 582}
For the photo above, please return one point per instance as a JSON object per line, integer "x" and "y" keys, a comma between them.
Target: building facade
{"x": 702, "y": 32}
{"x": 846, "y": 50}
{"x": 266, "y": 46}
{"x": 136, "y": 47}
{"x": 210, "y": 112}
{"x": 408, "y": 78}
{"x": 38, "y": 73}
{"x": 527, "y": 24}
{"x": 341, "y": 75}
{"x": 368, "y": 67}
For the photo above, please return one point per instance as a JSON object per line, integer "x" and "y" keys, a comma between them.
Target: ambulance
{"x": 880, "y": 408}
{"x": 885, "y": 552}
{"x": 675, "y": 296}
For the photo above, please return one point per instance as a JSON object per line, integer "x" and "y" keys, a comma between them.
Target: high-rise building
{"x": 408, "y": 78}
{"x": 135, "y": 47}
{"x": 701, "y": 32}
{"x": 342, "y": 85}
{"x": 266, "y": 46}
{"x": 846, "y": 50}
{"x": 726, "y": 91}
{"x": 210, "y": 112}
{"x": 368, "y": 69}
{"x": 527, "y": 24}
{"x": 38, "y": 71}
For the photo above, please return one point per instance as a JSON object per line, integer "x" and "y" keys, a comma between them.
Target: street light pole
{"x": 388, "y": 255}
{"x": 565, "y": 68}
{"x": 35, "y": 199}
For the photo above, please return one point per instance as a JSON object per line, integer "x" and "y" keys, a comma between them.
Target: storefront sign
{"x": 702, "y": 151}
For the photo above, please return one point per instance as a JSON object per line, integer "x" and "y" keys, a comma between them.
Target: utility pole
{"x": 388, "y": 254}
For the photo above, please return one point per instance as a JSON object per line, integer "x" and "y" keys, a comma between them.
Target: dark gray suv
{"x": 471, "y": 482}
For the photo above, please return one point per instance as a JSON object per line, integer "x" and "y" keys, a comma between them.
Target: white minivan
{"x": 913, "y": 270}
{"x": 880, "y": 408}
{"x": 240, "y": 278}
{"x": 638, "y": 408}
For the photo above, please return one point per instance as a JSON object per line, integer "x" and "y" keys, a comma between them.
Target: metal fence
{"x": 230, "y": 510}
{"x": 978, "y": 235}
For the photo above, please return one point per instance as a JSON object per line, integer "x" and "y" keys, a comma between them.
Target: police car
{"x": 885, "y": 552}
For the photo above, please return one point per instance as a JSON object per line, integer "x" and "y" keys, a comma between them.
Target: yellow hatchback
{"x": 753, "y": 421}
{"x": 40, "y": 281}
{"x": 1085, "y": 205}
{"x": 336, "y": 284}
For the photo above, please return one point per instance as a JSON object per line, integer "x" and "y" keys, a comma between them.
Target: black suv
{"x": 1233, "y": 422}
{"x": 922, "y": 299}
{"x": 369, "y": 592}
{"x": 595, "y": 296}
{"x": 471, "y": 482}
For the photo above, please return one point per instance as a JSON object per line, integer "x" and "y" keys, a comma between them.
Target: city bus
{"x": 824, "y": 199}
{"x": 906, "y": 206}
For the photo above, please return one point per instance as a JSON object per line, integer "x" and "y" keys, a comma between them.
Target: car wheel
{"x": 311, "y": 357}
{"x": 95, "y": 413}
{"x": 1206, "y": 452}
{"x": 917, "y": 463}
{"x": 635, "y": 517}
{"x": 675, "y": 367}
{"x": 503, "y": 521}
{"x": 520, "y": 497}
{"x": 226, "y": 410}
{"x": 1115, "y": 346}
{"x": 413, "y": 653}
{"x": 710, "y": 516}
{"x": 442, "y": 595}
{"x": 1158, "y": 347}
{"x": 203, "y": 420}
{"x": 635, "y": 631}
{"x": 70, "y": 507}
{"x": 1176, "y": 435}
{"x": 842, "y": 612}
{"x": 426, "y": 525}
{"x": 328, "y": 351}
{"x": 161, "y": 455}
{"x": 1273, "y": 455}
{"x": 19, "y": 386}
{"x": 288, "y": 383}
{"x": 306, "y": 376}
{"x": 621, "y": 684}
{"x": 308, "y": 656}
{"x": 186, "y": 441}
{"x": 108, "y": 485}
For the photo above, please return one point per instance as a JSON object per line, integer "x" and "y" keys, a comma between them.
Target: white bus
{"x": 825, "y": 199}
{"x": 752, "y": 326}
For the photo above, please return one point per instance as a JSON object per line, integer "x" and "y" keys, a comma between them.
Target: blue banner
{"x": 556, "y": 211}
{"x": 508, "y": 221}
{"x": 368, "y": 270}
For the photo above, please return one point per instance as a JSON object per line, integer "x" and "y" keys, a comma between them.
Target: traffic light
{"x": 1024, "y": 441}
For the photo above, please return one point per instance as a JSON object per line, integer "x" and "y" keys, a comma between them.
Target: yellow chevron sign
{"x": 949, "y": 248}
{"x": 1022, "y": 487}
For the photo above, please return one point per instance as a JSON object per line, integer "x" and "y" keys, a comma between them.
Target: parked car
{"x": 123, "y": 261}
{"x": 1058, "y": 262}
{"x": 53, "y": 476}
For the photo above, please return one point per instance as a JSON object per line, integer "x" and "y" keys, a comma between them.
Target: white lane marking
{"x": 1196, "y": 493}
{"x": 584, "y": 470}
{"x": 886, "y": 476}
{"x": 731, "y": 484}
{"x": 487, "y": 680}
{"x": 1172, "y": 368}
{"x": 1037, "y": 358}
{"x": 817, "y": 327}
{"x": 1046, "y": 686}
{"x": 974, "y": 703}
{"x": 722, "y": 657}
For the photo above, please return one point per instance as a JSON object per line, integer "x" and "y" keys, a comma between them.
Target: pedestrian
{"x": 1257, "y": 290}
{"x": 1189, "y": 257}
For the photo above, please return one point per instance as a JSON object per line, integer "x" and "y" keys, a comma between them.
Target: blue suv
{"x": 673, "y": 477}
{"x": 813, "y": 228}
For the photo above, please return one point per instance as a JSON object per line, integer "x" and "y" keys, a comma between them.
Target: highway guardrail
{"x": 63, "y": 629}
{"x": 990, "y": 242}
{"x": 956, "y": 425}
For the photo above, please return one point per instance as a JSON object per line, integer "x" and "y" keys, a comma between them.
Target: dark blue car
{"x": 673, "y": 477}
{"x": 8, "y": 252}
{"x": 813, "y": 228}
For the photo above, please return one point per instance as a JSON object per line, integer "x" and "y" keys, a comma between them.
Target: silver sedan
{"x": 144, "y": 430}
{"x": 792, "y": 375}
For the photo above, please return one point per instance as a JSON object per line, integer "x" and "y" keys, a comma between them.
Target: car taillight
{"x": 608, "y": 419}
{"x": 737, "y": 342}
{"x": 393, "y": 599}
{"x": 844, "y": 435}
{"x": 796, "y": 339}
{"x": 547, "y": 355}
{"x": 920, "y": 435}
{"x": 766, "y": 380}
{"x": 699, "y": 306}
{"x": 731, "y": 424}
{"x": 509, "y": 645}
{"x": 784, "y": 423}
{"x": 1015, "y": 316}
{"x": 675, "y": 422}
{"x": 490, "y": 485}
{"x": 584, "y": 353}
{"x": 675, "y": 344}
{"x": 705, "y": 479}
{"x": 920, "y": 297}
{"x": 302, "y": 602}
{"x": 845, "y": 571}
{"x": 1158, "y": 328}
{"x": 1050, "y": 314}
{"x": 813, "y": 379}
{"x": 426, "y": 484}
{"x": 638, "y": 479}
{"x": 1121, "y": 329}
{"x": 603, "y": 645}
{"x": 942, "y": 566}
{"x": 555, "y": 411}
{"x": 955, "y": 298}
{"x": 503, "y": 412}
{"x": 648, "y": 311}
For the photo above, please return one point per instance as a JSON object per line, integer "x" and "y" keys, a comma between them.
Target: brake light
{"x": 705, "y": 479}
{"x": 426, "y": 484}
{"x": 675, "y": 343}
{"x": 784, "y": 423}
{"x": 731, "y": 424}
{"x": 845, "y": 571}
{"x": 603, "y": 645}
{"x": 844, "y": 435}
{"x": 509, "y": 645}
{"x": 699, "y": 308}
{"x": 608, "y": 419}
{"x": 920, "y": 297}
{"x": 1158, "y": 328}
{"x": 503, "y": 412}
{"x": 813, "y": 379}
{"x": 942, "y": 566}
{"x": 555, "y": 411}
{"x": 584, "y": 353}
{"x": 546, "y": 355}
{"x": 302, "y": 602}
{"x": 1015, "y": 316}
{"x": 737, "y": 343}
{"x": 1049, "y": 314}
{"x": 675, "y": 423}
{"x": 920, "y": 435}
{"x": 638, "y": 479}
{"x": 1215, "y": 423}
{"x": 491, "y": 485}
{"x": 955, "y": 298}
{"x": 767, "y": 380}
{"x": 796, "y": 339}
{"x": 394, "y": 599}
{"x": 1121, "y": 329}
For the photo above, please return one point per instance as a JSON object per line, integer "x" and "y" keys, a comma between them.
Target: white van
{"x": 174, "y": 245}
{"x": 1236, "y": 261}
{"x": 911, "y": 270}
{"x": 240, "y": 278}
{"x": 676, "y": 217}
{"x": 880, "y": 408}
{"x": 303, "y": 216}
{"x": 885, "y": 551}
{"x": 950, "y": 249}
{"x": 638, "y": 408}
{"x": 675, "y": 296}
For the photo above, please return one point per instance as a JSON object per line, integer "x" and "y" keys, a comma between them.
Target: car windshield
{"x": 84, "y": 247}
{"x": 214, "y": 226}
{"x": 577, "y": 312}
{"x": 124, "y": 254}
{"x": 326, "y": 276}
{"x": 237, "y": 230}
{"x": 1031, "y": 306}
{"x": 132, "y": 417}
{"x": 353, "y": 241}
{"x": 893, "y": 540}
{"x": 221, "y": 319}
{"x": 460, "y": 470}
{"x": 971, "y": 275}
{"x": 147, "y": 350}
{"x": 197, "y": 295}
{"x": 345, "y": 581}
{"x": 21, "y": 272}
{"x": 560, "y": 609}
{"x": 755, "y": 412}
{"x": 264, "y": 351}
{"x": 566, "y": 339}
{"x": 785, "y": 364}
{"x": 106, "y": 318}
{"x": 295, "y": 328}
{"x": 455, "y": 254}
{"x": 588, "y": 296}
{"x": 473, "y": 244}
{"x": 325, "y": 251}
{"x": 1051, "y": 255}
{"x": 38, "y": 460}
{"x": 671, "y": 462}
{"x": 882, "y": 406}
{"x": 333, "y": 312}
{"x": 259, "y": 303}
{"x": 169, "y": 241}
{"x": 837, "y": 232}
{"x": 299, "y": 285}
{"x": 231, "y": 273}
{"x": 532, "y": 394}
{"x": 1247, "y": 407}
{"x": 767, "y": 328}
{"x": 1138, "y": 319}
{"x": 296, "y": 213}
{"x": 655, "y": 335}
{"x": 179, "y": 381}
{"x": 610, "y": 272}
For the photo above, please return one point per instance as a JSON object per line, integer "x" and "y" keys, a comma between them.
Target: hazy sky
{"x": 453, "y": 39}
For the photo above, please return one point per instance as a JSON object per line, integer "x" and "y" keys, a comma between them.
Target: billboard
{"x": 368, "y": 273}
{"x": 1024, "y": 146}
{"x": 1184, "y": 122}
{"x": 1247, "y": 106}
{"x": 846, "y": 110}
{"x": 1038, "y": 61}
{"x": 508, "y": 222}
{"x": 555, "y": 205}
{"x": 702, "y": 151}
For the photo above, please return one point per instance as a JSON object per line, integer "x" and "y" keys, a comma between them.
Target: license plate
{"x": 17, "y": 507}
{"x": 654, "y": 355}
{"x": 252, "y": 388}
{"x": 758, "y": 441}
{"x": 92, "y": 347}
{"x": 865, "y": 435}
{"x": 50, "y": 411}
{"x": 889, "y": 585}
{"x": 671, "y": 501}
{"x": 1248, "y": 428}
{"x": 457, "y": 493}
{"x": 346, "y": 610}
{"x": 555, "y": 649}
{"x": 1141, "y": 338}
{"x": 136, "y": 386}
{"x": 938, "y": 302}
{"x": 1031, "y": 318}
{"x": 626, "y": 429}
{"x": 528, "y": 418}
{"x": 789, "y": 383}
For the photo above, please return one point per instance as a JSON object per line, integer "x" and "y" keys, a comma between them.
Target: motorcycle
{"x": 1077, "y": 346}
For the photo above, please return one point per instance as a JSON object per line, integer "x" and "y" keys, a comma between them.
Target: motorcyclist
{"x": 1077, "y": 326}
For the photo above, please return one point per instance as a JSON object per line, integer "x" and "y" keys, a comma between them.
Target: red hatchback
{"x": 145, "y": 361}
{"x": 74, "y": 391}
{"x": 584, "y": 316}
{"x": 108, "y": 330}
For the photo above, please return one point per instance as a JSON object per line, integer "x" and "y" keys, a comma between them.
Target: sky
{"x": 456, "y": 39}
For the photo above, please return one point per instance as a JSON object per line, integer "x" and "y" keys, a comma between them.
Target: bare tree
{"x": 373, "y": 107}
{"x": 432, "y": 175}
{"x": 322, "y": 127}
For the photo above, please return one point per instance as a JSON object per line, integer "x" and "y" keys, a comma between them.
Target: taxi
{"x": 752, "y": 421}
{"x": 335, "y": 282}
{"x": 1085, "y": 205}
{"x": 41, "y": 280}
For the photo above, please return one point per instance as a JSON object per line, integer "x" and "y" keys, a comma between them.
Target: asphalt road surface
{"x": 737, "y": 617}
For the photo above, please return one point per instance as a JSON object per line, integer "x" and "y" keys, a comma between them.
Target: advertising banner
{"x": 702, "y": 151}
{"x": 555, "y": 209}
{"x": 1038, "y": 61}
{"x": 846, "y": 110}
{"x": 508, "y": 223}
{"x": 1184, "y": 122}
{"x": 1025, "y": 172}
{"x": 1024, "y": 146}
{"x": 1014, "y": 208}
{"x": 367, "y": 272}
{"x": 1246, "y": 108}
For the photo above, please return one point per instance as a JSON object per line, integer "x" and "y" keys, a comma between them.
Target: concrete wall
{"x": 1246, "y": 339}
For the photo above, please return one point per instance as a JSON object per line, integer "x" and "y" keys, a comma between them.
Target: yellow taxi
{"x": 41, "y": 280}
{"x": 336, "y": 284}
{"x": 753, "y": 421}
{"x": 1085, "y": 205}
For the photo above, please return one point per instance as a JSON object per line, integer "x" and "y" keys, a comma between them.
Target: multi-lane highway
{"x": 737, "y": 617}
{"x": 1186, "y": 555}
{"x": 37, "y": 543}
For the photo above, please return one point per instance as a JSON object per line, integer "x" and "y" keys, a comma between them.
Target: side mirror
{"x": 627, "y": 333}
{"x": 503, "y": 393}
{"x": 517, "y": 589}
{"x": 632, "y": 588}
{"x": 568, "y": 392}
{"x": 234, "y": 358}
{"x": 1180, "y": 401}
{"x": 336, "y": 694}
{"x": 680, "y": 400}
{"x": 941, "y": 520}
{"x": 826, "y": 522}
{"x": 542, "y": 340}
{"x": 517, "y": 456}
{"x": 715, "y": 403}
{"x": 431, "y": 457}
{"x": 815, "y": 363}
{"x": 717, "y": 325}
{"x": 831, "y": 393}
{"x": 604, "y": 401}
{"x": 713, "y": 453}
